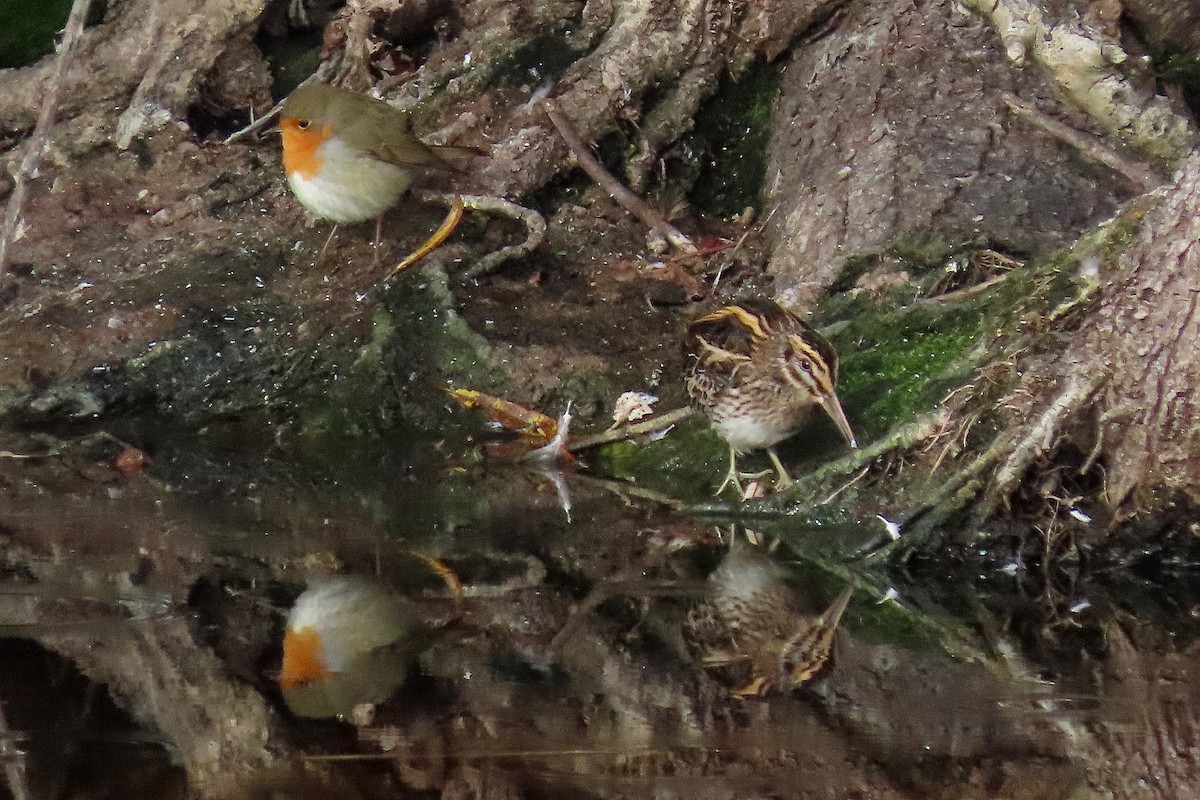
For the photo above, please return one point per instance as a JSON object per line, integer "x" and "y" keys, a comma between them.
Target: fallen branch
{"x": 652, "y": 425}
{"x": 38, "y": 139}
{"x": 627, "y": 199}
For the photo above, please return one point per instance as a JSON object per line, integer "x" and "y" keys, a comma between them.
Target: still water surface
{"x": 494, "y": 632}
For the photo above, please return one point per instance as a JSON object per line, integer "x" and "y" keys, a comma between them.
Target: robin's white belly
{"x": 349, "y": 187}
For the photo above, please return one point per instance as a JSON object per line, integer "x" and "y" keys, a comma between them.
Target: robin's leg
{"x": 378, "y": 239}
{"x": 321, "y": 255}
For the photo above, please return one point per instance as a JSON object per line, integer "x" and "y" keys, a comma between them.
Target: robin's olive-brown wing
{"x": 375, "y": 128}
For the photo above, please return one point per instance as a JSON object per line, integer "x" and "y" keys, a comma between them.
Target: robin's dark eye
{"x": 303, "y": 124}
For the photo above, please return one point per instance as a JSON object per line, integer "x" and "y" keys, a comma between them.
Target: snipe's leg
{"x": 453, "y": 216}
{"x": 731, "y": 477}
{"x": 785, "y": 481}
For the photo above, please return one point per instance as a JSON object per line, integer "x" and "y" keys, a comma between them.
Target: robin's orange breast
{"x": 334, "y": 180}
{"x": 300, "y": 147}
{"x": 303, "y": 660}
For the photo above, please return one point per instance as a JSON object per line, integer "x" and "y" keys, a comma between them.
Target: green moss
{"x": 345, "y": 405}
{"x": 28, "y": 30}
{"x": 687, "y": 464}
{"x": 428, "y": 347}
{"x": 724, "y": 156}
{"x": 897, "y": 365}
{"x": 1176, "y": 67}
{"x": 899, "y": 362}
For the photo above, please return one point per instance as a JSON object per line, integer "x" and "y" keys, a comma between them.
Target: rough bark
{"x": 1134, "y": 363}
{"x": 157, "y": 670}
{"x": 131, "y": 636}
{"x": 1082, "y": 55}
{"x": 1171, "y": 23}
{"x": 675, "y": 51}
{"x": 156, "y": 52}
{"x": 895, "y": 123}
{"x": 1145, "y": 746}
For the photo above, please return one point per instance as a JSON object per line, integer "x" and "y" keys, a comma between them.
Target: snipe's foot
{"x": 784, "y": 481}
{"x": 735, "y": 478}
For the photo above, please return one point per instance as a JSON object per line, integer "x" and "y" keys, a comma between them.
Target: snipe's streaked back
{"x": 756, "y": 370}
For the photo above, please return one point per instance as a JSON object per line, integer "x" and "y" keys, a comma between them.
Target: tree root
{"x": 535, "y": 232}
{"x": 1038, "y": 439}
{"x": 1086, "y": 63}
{"x": 640, "y": 46}
{"x": 846, "y": 469}
{"x": 1139, "y": 174}
{"x": 535, "y": 227}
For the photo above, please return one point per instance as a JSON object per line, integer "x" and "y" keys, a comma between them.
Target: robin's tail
{"x": 459, "y": 159}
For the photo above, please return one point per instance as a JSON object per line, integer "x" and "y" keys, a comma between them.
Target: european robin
{"x": 350, "y": 157}
{"x": 348, "y": 642}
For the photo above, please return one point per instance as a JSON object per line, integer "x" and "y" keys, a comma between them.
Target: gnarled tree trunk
{"x": 1134, "y": 364}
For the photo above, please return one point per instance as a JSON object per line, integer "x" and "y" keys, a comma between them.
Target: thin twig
{"x": 652, "y": 425}
{"x": 320, "y": 76}
{"x": 256, "y": 125}
{"x": 627, "y": 199}
{"x": 38, "y": 139}
{"x": 963, "y": 294}
{"x": 833, "y": 495}
{"x": 1142, "y": 176}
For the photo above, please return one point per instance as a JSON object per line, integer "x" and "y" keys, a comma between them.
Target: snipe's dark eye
{"x": 806, "y": 365}
{"x": 303, "y": 124}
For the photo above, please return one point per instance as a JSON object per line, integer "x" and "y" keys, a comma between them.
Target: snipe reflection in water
{"x": 754, "y": 624}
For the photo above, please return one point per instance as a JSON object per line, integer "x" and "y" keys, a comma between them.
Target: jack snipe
{"x": 756, "y": 370}
{"x": 752, "y": 626}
